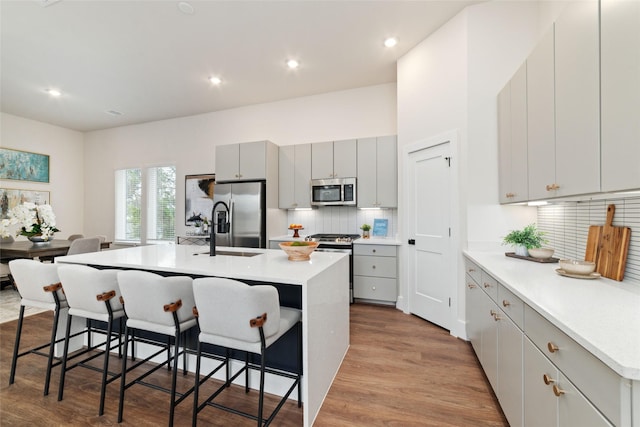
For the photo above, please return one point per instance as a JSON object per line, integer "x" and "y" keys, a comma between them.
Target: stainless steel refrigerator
{"x": 246, "y": 215}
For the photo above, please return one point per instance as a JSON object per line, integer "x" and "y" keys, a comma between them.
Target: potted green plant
{"x": 365, "y": 230}
{"x": 525, "y": 239}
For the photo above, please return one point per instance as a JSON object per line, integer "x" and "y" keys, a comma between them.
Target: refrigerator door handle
{"x": 230, "y": 225}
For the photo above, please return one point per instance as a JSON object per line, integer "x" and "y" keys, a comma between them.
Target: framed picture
{"x": 23, "y": 165}
{"x": 198, "y": 197}
{"x": 10, "y": 198}
{"x": 380, "y": 227}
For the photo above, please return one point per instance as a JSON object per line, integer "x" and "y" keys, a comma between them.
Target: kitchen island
{"x": 322, "y": 285}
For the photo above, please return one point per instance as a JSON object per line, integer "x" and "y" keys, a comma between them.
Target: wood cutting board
{"x": 608, "y": 246}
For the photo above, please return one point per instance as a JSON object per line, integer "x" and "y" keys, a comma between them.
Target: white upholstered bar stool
{"x": 94, "y": 295}
{"x": 39, "y": 286}
{"x": 164, "y": 306}
{"x": 248, "y": 318}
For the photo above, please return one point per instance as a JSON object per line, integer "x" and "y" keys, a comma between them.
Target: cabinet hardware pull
{"x": 496, "y": 317}
{"x": 553, "y": 187}
{"x": 471, "y": 270}
{"x": 552, "y": 347}
{"x": 510, "y": 195}
{"x": 374, "y": 251}
{"x": 471, "y": 285}
{"x": 547, "y": 379}
{"x": 374, "y": 267}
{"x": 493, "y": 313}
{"x": 505, "y": 303}
{"x": 373, "y": 287}
{"x": 487, "y": 285}
{"x": 558, "y": 391}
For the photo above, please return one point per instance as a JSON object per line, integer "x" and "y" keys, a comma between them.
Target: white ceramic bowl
{"x": 541, "y": 253}
{"x": 577, "y": 267}
{"x": 299, "y": 252}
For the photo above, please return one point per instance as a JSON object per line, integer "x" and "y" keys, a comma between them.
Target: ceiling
{"x": 149, "y": 60}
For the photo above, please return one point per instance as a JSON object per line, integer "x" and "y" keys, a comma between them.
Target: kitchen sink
{"x": 232, "y": 253}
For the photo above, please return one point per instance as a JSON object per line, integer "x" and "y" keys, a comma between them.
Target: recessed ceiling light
{"x": 390, "y": 42}
{"x": 292, "y": 63}
{"x": 185, "y": 8}
{"x": 215, "y": 80}
{"x": 54, "y": 92}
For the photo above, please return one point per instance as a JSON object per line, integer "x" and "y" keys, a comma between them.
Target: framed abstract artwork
{"x": 198, "y": 197}
{"x": 11, "y": 197}
{"x": 23, "y": 165}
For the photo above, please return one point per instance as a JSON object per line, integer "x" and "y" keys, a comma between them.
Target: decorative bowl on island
{"x": 298, "y": 251}
{"x": 582, "y": 268}
{"x": 541, "y": 253}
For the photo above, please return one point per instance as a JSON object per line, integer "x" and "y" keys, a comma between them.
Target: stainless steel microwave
{"x": 333, "y": 192}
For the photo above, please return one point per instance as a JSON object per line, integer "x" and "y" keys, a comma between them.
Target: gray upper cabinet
{"x": 577, "y": 99}
{"x": 620, "y": 80}
{"x": 294, "y": 176}
{"x": 512, "y": 139}
{"x": 541, "y": 140}
{"x": 242, "y": 162}
{"x": 377, "y": 172}
{"x": 335, "y": 159}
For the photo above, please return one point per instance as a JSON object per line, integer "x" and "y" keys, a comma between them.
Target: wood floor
{"x": 400, "y": 371}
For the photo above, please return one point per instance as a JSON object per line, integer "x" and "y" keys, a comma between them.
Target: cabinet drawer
{"x": 490, "y": 285}
{"x": 473, "y": 270}
{"x": 374, "y": 266}
{"x": 376, "y": 250}
{"x": 511, "y": 305}
{"x": 601, "y": 385}
{"x": 374, "y": 288}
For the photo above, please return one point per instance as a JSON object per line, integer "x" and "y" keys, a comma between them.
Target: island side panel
{"x": 326, "y": 332}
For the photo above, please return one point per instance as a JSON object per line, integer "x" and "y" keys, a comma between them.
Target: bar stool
{"x": 94, "y": 295}
{"x": 247, "y": 318}
{"x": 39, "y": 286}
{"x": 161, "y": 305}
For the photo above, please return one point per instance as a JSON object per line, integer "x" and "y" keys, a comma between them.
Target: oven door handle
{"x": 345, "y": 251}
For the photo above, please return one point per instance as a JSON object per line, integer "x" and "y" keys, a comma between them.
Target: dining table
{"x": 28, "y": 249}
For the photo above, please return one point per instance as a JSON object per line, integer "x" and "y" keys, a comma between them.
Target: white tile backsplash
{"x": 567, "y": 225}
{"x": 341, "y": 219}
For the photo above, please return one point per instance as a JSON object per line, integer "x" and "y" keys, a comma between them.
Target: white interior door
{"x": 430, "y": 283}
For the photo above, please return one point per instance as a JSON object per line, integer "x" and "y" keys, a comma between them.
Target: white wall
{"x": 449, "y": 82}
{"x": 189, "y": 142}
{"x": 66, "y": 167}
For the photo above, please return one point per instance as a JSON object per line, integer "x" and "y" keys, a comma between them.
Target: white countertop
{"x": 378, "y": 241}
{"x": 360, "y": 241}
{"x": 271, "y": 265}
{"x": 602, "y": 315}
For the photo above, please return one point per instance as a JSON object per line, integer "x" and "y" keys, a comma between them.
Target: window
{"x": 145, "y": 204}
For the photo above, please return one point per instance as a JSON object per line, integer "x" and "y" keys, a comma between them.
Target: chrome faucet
{"x": 223, "y": 228}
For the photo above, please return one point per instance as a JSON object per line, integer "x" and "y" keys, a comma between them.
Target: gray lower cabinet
{"x": 541, "y": 376}
{"x": 375, "y": 272}
{"x": 551, "y": 399}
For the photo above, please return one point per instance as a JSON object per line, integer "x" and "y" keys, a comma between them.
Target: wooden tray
{"x": 530, "y": 258}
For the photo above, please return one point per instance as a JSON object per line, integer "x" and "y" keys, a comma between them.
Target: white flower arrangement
{"x": 32, "y": 220}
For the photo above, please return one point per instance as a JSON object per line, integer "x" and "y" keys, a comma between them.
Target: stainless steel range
{"x": 333, "y": 242}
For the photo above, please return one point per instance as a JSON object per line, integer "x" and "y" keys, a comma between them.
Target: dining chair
{"x": 39, "y": 286}
{"x": 237, "y": 316}
{"x": 5, "y": 273}
{"x": 94, "y": 295}
{"x": 74, "y": 237}
{"x": 84, "y": 245}
{"x": 158, "y": 305}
